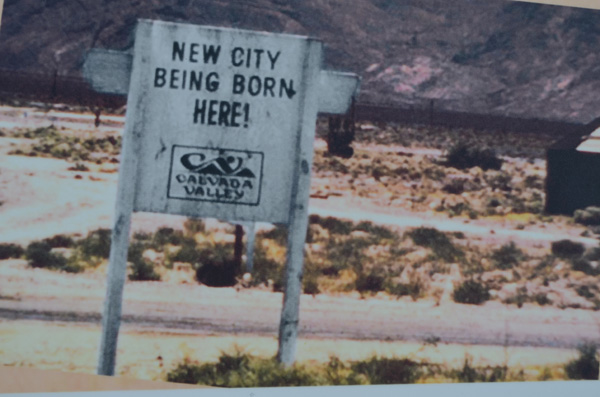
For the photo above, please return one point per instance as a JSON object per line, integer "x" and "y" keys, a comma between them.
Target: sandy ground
{"x": 46, "y": 295}
{"x": 50, "y": 320}
{"x": 150, "y": 355}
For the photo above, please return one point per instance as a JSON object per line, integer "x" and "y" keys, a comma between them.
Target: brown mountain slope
{"x": 500, "y": 57}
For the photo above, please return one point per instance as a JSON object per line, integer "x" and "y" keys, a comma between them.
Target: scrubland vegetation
{"x": 454, "y": 174}
{"x": 240, "y": 369}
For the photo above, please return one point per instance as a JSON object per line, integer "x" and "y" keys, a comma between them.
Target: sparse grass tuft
{"x": 507, "y": 256}
{"x": 567, "y": 249}
{"x": 39, "y": 255}
{"x": 437, "y": 241}
{"x": 586, "y": 365}
{"x": 471, "y": 292}
{"x": 8, "y": 251}
{"x": 141, "y": 268}
{"x": 463, "y": 156}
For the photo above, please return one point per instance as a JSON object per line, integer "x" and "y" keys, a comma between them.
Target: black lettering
{"x": 248, "y": 56}
{"x": 289, "y": 90}
{"x": 178, "y": 50}
{"x": 208, "y": 192}
{"x": 224, "y": 110}
{"x": 159, "y": 77}
{"x": 227, "y": 194}
{"x": 235, "y": 113}
{"x": 184, "y": 72}
{"x": 201, "y": 180}
{"x": 195, "y": 80}
{"x": 180, "y": 178}
{"x": 189, "y": 189}
{"x": 212, "y": 112}
{"x": 258, "y": 53}
{"x": 246, "y": 114}
{"x": 194, "y": 52}
{"x": 212, "y": 82}
{"x": 211, "y": 53}
{"x": 273, "y": 58}
{"x": 200, "y": 111}
{"x": 223, "y": 183}
{"x": 212, "y": 180}
{"x": 192, "y": 179}
{"x": 269, "y": 86}
{"x": 239, "y": 194}
{"x": 254, "y": 85}
{"x": 236, "y": 56}
{"x": 234, "y": 183}
{"x": 247, "y": 184}
{"x": 174, "y": 78}
{"x": 199, "y": 191}
{"x": 238, "y": 84}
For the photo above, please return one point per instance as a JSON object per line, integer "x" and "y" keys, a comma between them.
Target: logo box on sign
{"x": 217, "y": 117}
{"x": 215, "y": 175}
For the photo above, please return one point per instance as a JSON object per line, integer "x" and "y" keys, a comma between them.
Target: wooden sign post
{"x": 220, "y": 123}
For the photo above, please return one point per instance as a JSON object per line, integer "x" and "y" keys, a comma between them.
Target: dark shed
{"x": 573, "y": 171}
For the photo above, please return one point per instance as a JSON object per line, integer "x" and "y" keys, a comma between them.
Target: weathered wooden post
{"x": 220, "y": 123}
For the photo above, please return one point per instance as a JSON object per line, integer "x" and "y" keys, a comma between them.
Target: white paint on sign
{"x": 231, "y": 95}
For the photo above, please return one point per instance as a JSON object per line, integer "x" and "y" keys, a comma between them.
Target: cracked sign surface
{"x": 216, "y": 120}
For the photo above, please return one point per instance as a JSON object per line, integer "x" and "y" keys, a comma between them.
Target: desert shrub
{"x": 345, "y": 254}
{"x": 11, "y": 251}
{"x": 588, "y": 216}
{"x": 60, "y": 241}
{"x": 193, "y": 226}
{"x": 97, "y": 243}
{"x": 585, "y": 292}
{"x": 593, "y": 254}
{"x": 278, "y": 234}
{"x": 310, "y": 285}
{"x": 79, "y": 167}
{"x": 461, "y": 156}
{"x": 39, "y": 254}
{"x": 167, "y": 235}
{"x": 217, "y": 267}
{"x": 567, "y": 249}
{"x": 382, "y": 370}
{"x": 519, "y": 299}
{"x": 334, "y": 225}
{"x": 266, "y": 268}
{"x": 370, "y": 281}
{"x": 413, "y": 289}
{"x": 584, "y": 266}
{"x": 470, "y": 374}
{"x": 379, "y": 232}
{"x": 188, "y": 253}
{"x": 507, "y": 256}
{"x": 500, "y": 181}
{"x": 586, "y": 365}
{"x": 534, "y": 182}
{"x": 141, "y": 269}
{"x": 243, "y": 370}
{"x": 437, "y": 241}
{"x": 454, "y": 186}
{"x": 142, "y": 236}
{"x": 541, "y": 299}
{"x": 471, "y": 292}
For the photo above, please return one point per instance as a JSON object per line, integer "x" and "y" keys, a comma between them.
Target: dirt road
{"x": 49, "y": 296}
{"x": 41, "y": 197}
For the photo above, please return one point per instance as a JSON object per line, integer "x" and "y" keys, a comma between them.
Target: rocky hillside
{"x": 500, "y": 57}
